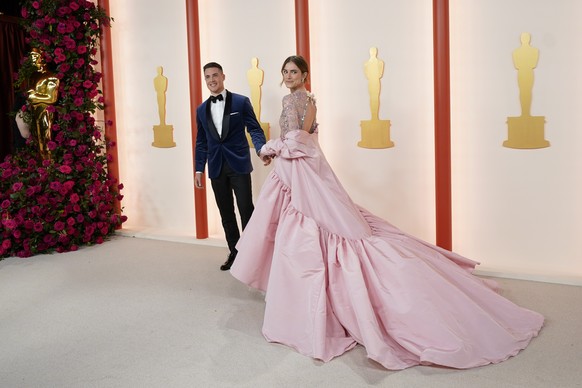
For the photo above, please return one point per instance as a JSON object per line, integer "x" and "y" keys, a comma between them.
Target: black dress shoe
{"x": 228, "y": 263}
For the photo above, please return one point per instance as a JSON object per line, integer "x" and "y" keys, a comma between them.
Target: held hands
{"x": 266, "y": 159}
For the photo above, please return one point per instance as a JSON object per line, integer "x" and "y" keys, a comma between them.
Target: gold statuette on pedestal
{"x": 42, "y": 95}
{"x": 375, "y": 132}
{"x": 255, "y": 78}
{"x": 525, "y": 131}
{"x": 163, "y": 133}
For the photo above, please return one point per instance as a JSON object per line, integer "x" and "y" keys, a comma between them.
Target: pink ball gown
{"x": 335, "y": 275}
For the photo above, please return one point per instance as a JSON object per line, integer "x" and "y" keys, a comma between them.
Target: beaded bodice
{"x": 293, "y": 113}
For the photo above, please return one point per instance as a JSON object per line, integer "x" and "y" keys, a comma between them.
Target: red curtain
{"x": 12, "y": 49}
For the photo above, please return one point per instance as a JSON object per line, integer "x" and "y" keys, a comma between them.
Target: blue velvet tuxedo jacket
{"x": 232, "y": 146}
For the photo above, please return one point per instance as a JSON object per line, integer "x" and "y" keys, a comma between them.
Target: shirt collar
{"x": 223, "y": 94}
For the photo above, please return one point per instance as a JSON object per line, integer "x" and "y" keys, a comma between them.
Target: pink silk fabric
{"x": 335, "y": 276}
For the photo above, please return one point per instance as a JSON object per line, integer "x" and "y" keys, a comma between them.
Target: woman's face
{"x": 292, "y": 76}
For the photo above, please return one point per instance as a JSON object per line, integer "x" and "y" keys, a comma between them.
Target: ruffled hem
{"x": 406, "y": 301}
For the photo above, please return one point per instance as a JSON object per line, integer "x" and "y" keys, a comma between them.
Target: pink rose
{"x": 69, "y": 184}
{"x": 55, "y": 185}
{"x": 9, "y": 224}
{"x": 65, "y": 169}
{"x": 6, "y": 244}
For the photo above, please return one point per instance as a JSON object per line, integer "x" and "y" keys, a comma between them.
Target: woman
{"x": 335, "y": 275}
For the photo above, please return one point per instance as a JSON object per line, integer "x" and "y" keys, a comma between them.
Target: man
{"x": 221, "y": 141}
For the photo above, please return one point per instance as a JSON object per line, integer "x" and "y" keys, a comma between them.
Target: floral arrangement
{"x": 67, "y": 200}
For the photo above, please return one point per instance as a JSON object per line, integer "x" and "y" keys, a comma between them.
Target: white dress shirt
{"x": 217, "y": 111}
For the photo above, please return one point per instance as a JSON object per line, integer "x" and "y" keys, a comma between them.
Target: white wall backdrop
{"x": 516, "y": 211}
{"x": 159, "y": 186}
{"x": 396, "y": 183}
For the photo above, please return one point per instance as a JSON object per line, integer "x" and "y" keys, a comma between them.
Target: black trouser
{"x": 223, "y": 187}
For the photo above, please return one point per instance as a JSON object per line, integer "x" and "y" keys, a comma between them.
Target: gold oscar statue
{"x": 255, "y": 78}
{"x": 163, "y": 133}
{"x": 375, "y": 132}
{"x": 42, "y": 95}
{"x": 525, "y": 131}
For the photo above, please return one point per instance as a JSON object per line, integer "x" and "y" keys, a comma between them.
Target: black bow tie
{"x": 216, "y": 98}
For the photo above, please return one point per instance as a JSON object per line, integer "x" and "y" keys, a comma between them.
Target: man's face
{"x": 214, "y": 79}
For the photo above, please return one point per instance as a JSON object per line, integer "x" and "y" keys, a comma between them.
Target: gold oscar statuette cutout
{"x": 163, "y": 133}
{"x": 375, "y": 132}
{"x": 525, "y": 131}
{"x": 255, "y": 78}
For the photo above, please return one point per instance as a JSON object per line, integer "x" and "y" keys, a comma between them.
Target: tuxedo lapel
{"x": 210, "y": 123}
{"x": 226, "y": 116}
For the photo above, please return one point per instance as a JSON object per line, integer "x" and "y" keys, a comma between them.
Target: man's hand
{"x": 266, "y": 159}
{"x": 198, "y": 180}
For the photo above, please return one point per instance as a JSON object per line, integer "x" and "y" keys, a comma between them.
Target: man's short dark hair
{"x": 212, "y": 64}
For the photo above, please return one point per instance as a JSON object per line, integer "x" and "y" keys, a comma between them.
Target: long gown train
{"x": 335, "y": 276}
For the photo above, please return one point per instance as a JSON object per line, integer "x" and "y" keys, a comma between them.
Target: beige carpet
{"x": 138, "y": 312}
